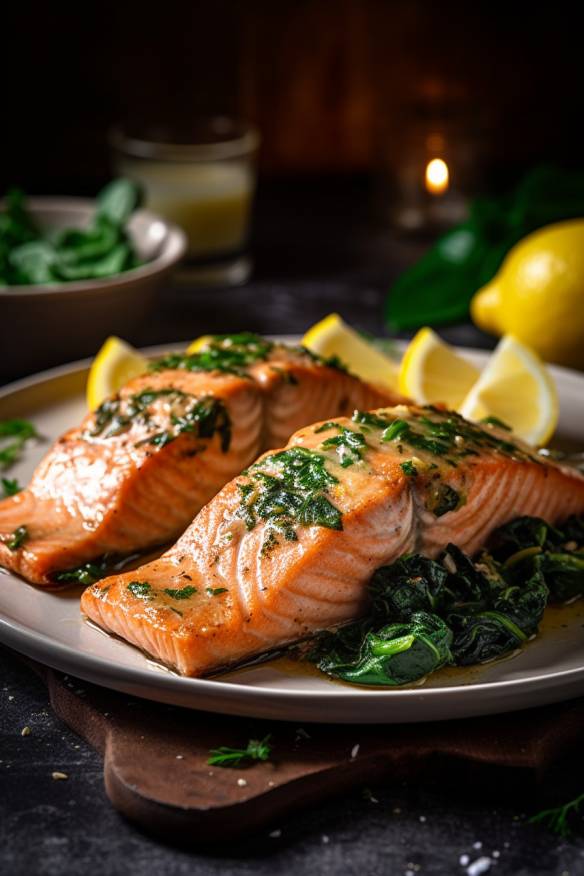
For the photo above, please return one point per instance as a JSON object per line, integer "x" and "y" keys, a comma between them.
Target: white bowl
{"x": 47, "y": 324}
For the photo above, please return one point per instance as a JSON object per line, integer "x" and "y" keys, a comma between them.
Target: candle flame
{"x": 437, "y": 176}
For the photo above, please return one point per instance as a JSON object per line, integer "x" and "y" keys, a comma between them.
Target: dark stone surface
{"x": 54, "y": 827}
{"x": 313, "y": 255}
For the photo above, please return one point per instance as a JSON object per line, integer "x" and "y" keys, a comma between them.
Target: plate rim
{"x": 228, "y": 697}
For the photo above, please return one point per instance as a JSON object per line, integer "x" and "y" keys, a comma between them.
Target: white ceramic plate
{"x": 49, "y": 628}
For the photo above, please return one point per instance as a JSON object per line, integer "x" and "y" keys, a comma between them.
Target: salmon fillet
{"x": 287, "y": 548}
{"x": 134, "y": 473}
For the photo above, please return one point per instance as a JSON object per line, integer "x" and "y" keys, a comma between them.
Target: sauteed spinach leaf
{"x": 395, "y": 654}
{"x": 426, "y": 613}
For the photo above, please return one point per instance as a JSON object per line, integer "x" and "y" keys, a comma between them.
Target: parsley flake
{"x": 141, "y": 589}
{"x": 181, "y": 593}
{"x": 256, "y": 750}
{"x": 10, "y": 487}
{"x": 15, "y": 541}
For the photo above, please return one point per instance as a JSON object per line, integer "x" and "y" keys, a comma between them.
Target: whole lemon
{"x": 538, "y": 294}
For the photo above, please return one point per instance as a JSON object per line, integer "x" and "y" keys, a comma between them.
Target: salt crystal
{"x": 180, "y": 757}
{"x": 422, "y": 818}
{"x": 355, "y": 751}
{"x": 325, "y": 838}
{"x": 276, "y": 833}
{"x": 481, "y": 865}
{"x": 464, "y": 860}
{"x": 496, "y": 854}
{"x": 477, "y": 845}
{"x": 242, "y": 783}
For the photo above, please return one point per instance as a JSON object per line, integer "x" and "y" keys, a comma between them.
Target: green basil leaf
{"x": 117, "y": 201}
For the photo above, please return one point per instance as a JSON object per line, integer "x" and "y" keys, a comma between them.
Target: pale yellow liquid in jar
{"x": 210, "y": 201}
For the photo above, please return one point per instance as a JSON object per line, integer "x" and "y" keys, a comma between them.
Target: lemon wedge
{"x": 197, "y": 346}
{"x": 432, "y": 372}
{"x": 333, "y": 337}
{"x": 115, "y": 364}
{"x": 515, "y": 387}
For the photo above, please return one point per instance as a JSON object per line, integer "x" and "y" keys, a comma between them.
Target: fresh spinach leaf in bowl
{"x": 29, "y": 255}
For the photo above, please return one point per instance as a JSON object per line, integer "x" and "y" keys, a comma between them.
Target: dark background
{"x": 330, "y": 83}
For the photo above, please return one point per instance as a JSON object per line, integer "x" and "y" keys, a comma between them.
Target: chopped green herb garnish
{"x": 287, "y": 376}
{"x": 142, "y": 589}
{"x": 230, "y": 354}
{"x": 256, "y": 750}
{"x": 269, "y": 543}
{"x": 324, "y": 427}
{"x": 396, "y": 430}
{"x": 15, "y": 541}
{"x": 184, "y": 593}
{"x": 10, "y": 487}
{"x": 441, "y": 433}
{"x": 409, "y": 468}
{"x": 495, "y": 421}
{"x": 186, "y": 413}
{"x": 328, "y": 361}
{"x": 350, "y": 445}
{"x": 558, "y": 818}
{"x": 216, "y": 591}
{"x": 367, "y": 419}
{"x": 86, "y": 574}
{"x": 233, "y": 354}
{"x": 20, "y": 431}
{"x": 289, "y": 489}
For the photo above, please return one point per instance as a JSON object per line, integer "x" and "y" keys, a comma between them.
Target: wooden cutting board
{"x": 156, "y": 771}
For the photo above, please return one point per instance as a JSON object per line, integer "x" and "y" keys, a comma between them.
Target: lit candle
{"x": 437, "y": 177}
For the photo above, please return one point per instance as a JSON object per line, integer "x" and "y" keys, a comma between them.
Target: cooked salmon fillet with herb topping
{"x": 287, "y": 548}
{"x": 133, "y": 475}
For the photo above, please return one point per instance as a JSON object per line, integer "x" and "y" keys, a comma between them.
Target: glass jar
{"x": 205, "y": 185}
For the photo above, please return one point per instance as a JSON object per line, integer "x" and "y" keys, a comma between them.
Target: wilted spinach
{"x": 31, "y": 256}
{"x": 426, "y": 613}
{"x": 395, "y": 654}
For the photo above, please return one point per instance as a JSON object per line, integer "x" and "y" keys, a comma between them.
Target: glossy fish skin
{"x": 237, "y": 600}
{"x": 118, "y": 495}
